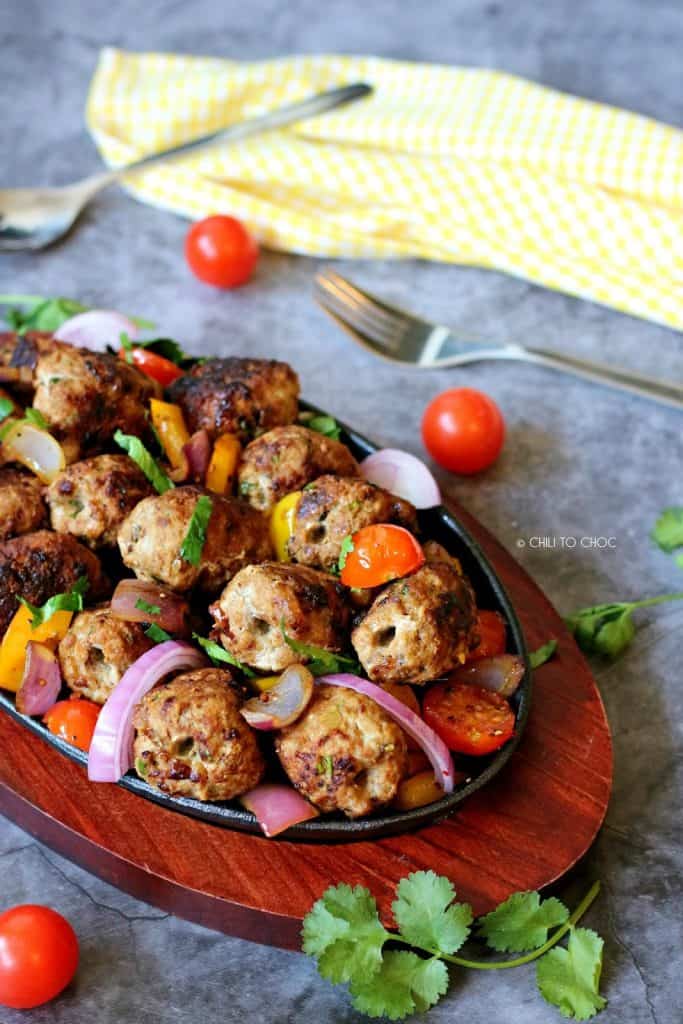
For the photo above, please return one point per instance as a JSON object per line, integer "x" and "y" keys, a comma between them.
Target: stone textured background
{"x": 579, "y": 460}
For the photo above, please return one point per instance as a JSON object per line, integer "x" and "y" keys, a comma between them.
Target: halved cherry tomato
{"x": 468, "y": 718}
{"x": 491, "y": 631}
{"x": 220, "y": 251}
{"x": 38, "y": 956}
{"x": 463, "y": 430}
{"x": 153, "y": 365}
{"x": 381, "y": 553}
{"x": 73, "y": 721}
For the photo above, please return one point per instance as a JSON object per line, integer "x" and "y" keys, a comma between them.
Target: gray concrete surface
{"x": 579, "y": 461}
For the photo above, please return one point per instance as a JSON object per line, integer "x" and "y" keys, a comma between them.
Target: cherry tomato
{"x": 468, "y": 718}
{"x": 154, "y": 365}
{"x": 492, "y": 636}
{"x": 38, "y": 956}
{"x": 220, "y": 251}
{"x": 463, "y": 430}
{"x": 380, "y": 554}
{"x": 73, "y": 721}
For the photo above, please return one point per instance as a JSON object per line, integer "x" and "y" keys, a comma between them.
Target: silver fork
{"x": 400, "y": 337}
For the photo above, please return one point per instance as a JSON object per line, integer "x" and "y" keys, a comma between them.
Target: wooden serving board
{"x": 522, "y": 831}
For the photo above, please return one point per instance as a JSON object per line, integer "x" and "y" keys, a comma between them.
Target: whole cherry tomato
{"x": 492, "y": 636}
{"x": 468, "y": 718}
{"x": 463, "y": 430}
{"x": 220, "y": 251}
{"x": 73, "y": 721}
{"x": 38, "y": 956}
{"x": 153, "y": 365}
{"x": 381, "y": 553}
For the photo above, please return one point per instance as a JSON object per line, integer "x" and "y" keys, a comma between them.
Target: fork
{"x": 400, "y": 337}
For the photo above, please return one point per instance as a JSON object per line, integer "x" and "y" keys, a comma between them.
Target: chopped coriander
{"x": 139, "y": 454}
{"x": 35, "y": 417}
{"x": 325, "y": 425}
{"x": 219, "y": 654}
{"x": 71, "y": 601}
{"x": 346, "y": 549}
{"x": 147, "y": 608}
{"x": 168, "y": 349}
{"x": 320, "y": 662}
{"x": 76, "y": 506}
{"x": 127, "y": 346}
{"x": 608, "y": 629}
{"x": 6, "y": 407}
{"x": 157, "y": 634}
{"x": 325, "y": 766}
{"x": 141, "y": 767}
{"x": 47, "y": 314}
{"x": 195, "y": 538}
{"x": 668, "y": 530}
{"x": 542, "y": 654}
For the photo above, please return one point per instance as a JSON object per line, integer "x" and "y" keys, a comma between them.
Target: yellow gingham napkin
{"x": 454, "y": 164}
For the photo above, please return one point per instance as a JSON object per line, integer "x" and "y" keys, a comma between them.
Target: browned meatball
{"x": 39, "y": 565}
{"x": 237, "y": 396}
{"x": 19, "y": 354}
{"x": 21, "y": 503}
{"x": 90, "y": 499}
{"x": 287, "y": 458}
{"x": 251, "y": 609}
{"x": 344, "y": 753}
{"x": 333, "y": 507}
{"x": 97, "y": 650}
{"x": 419, "y": 627}
{"x": 85, "y": 396}
{"x": 151, "y": 537}
{"x": 191, "y": 739}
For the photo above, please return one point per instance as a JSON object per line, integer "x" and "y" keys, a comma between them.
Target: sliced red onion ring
{"x": 173, "y": 614}
{"x": 96, "y": 329}
{"x": 283, "y": 703}
{"x": 501, "y": 674}
{"x": 42, "y": 680}
{"x": 277, "y": 807}
{"x": 111, "y": 750}
{"x": 433, "y": 746}
{"x": 196, "y": 456}
{"x": 402, "y": 474}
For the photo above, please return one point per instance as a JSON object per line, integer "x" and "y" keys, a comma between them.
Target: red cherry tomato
{"x": 38, "y": 956}
{"x": 492, "y": 636}
{"x": 468, "y": 718}
{"x": 220, "y": 251}
{"x": 463, "y": 430}
{"x": 155, "y": 366}
{"x": 73, "y": 721}
{"x": 381, "y": 553}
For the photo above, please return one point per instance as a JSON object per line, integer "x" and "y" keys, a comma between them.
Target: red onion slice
{"x": 501, "y": 674}
{"x": 173, "y": 614}
{"x": 111, "y": 750}
{"x": 433, "y": 746}
{"x": 277, "y": 807}
{"x": 96, "y": 329}
{"x": 402, "y": 474}
{"x": 196, "y": 457}
{"x": 42, "y": 680}
{"x": 283, "y": 703}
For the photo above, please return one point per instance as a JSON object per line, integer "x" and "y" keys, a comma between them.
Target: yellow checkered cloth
{"x": 454, "y": 164}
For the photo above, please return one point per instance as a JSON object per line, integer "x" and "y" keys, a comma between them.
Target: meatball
{"x": 85, "y": 396}
{"x": 333, "y": 507}
{"x": 419, "y": 627}
{"x": 151, "y": 537}
{"x": 262, "y": 598}
{"x": 191, "y": 739}
{"x": 21, "y": 503}
{"x": 39, "y": 565}
{"x": 237, "y": 396}
{"x": 90, "y": 499}
{"x": 19, "y": 354}
{"x": 97, "y": 650}
{"x": 287, "y": 458}
{"x": 344, "y": 753}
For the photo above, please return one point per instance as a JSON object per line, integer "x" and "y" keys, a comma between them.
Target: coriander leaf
{"x": 195, "y": 538}
{"x": 570, "y": 978}
{"x": 325, "y": 766}
{"x": 604, "y": 628}
{"x": 36, "y": 417}
{"x": 346, "y": 549}
{"x": 141, "y": 767}
{"x": 219, "y": 654}
{"x": 71, "y": 601}
{"x": 157, "y": 634}
{"x": 145, "y": 606}
{"x": 522, "y": 922}
{"x": 139, "y": 454}
{"x": 404, "y": 984}
{"x": 679, "y": 561}
{"x": 321, "y": 662}
{"x": 166, "y": 347}
{"x": 542, "y": 654}
{"x": 325, "y": 425}
{"x": 40, "y": 314}
{"x": 426, "y": 914}
{"x": 127, "y": 347}
{"x": 6, "y": 407}
{"x": 668, "y": 530}
{"x": 344, "y": 933}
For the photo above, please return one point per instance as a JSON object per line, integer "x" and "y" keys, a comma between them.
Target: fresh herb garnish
{"x": 326, "y": 425}
{"x": 195, "y": 538}
{"x": 77, "y": 506}
{"x": 668, "y": 530}
{"x": 344, "y": 934}
{"x": 35, "y": 417}
{"x": 157, "y": 634}
{"x": 127, "y": 347}
{"x": 141, "y": 767}
{"x": 139, "y": 454}
{"x": 608, "y": 629}
{"x": 321, "y": 662}
{"x": 325, "y": 766}
{"x": 6, "y": 407}
{"x": 47, "y": 314}
{"x": 542, "y": 654}
{"x": 71, "y": 601}
{"x": 219, "y": 654}
{"x": 346, "y": 549}
{"x": 169, "y": 349}
{"x": 147, "y": 608}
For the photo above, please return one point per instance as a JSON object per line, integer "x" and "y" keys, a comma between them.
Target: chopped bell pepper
{"x": 169, "y": 424}
{"x": 19, "y": 632}
{"x": 282, "y": 524}
{"x": 220, "y": 475}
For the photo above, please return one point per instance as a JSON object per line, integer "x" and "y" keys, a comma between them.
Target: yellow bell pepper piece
{"x": 282, "y": 524}
{"x": 19, "y": 632}
{"x": 264, "y": 683}
{"x": 169, "y": 424}
{"x": 417, "y": 791}
{"x": 220, "y": 476}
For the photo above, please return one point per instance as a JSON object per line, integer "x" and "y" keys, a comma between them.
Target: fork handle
{"x": 600, "y": 373}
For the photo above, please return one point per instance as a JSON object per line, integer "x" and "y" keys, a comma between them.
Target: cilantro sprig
{"x": 39, "y": 313}
{"x": 134, "y": 447}
{"x": 668, "y": 530}
{"x": 345, "y": 551}
{"x": 344, "y": 934}
{"x": 219, "y": 654}
{"x": 320, "y": 662}
{"x": 195, "y": 538}
{"x": 608, "y": 629}
{"x": 71, "y": 601}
